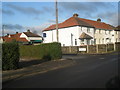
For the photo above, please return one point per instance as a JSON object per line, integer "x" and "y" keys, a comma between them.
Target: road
{"x": 90, "y": 71}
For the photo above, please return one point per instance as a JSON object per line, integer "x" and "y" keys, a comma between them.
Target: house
{"x": 24, "y": 37}
{"x": 77, "y": 31}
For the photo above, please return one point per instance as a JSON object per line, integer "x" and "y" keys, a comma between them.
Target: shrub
{"x": 47, "y": 51}
{"x": 10, "y": 56}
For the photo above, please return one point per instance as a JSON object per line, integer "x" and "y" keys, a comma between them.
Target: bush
{"x": 10, "y": 56}
{"x": 47, "y": 51}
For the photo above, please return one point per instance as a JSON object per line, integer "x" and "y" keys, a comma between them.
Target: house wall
{"x": 116, "y": 36}
{"x": 90, "y": 32}
{"x": 34, "y": 38}
{"x": 30, "y": 38}
{"x": 1, "y": 40}
{"x": 101, "y": 36}
{"x": 65, "y": 37}
{"x": 68, "y": 36}
{"x": 24, "y": 36}
{"x": 104, "y": 36}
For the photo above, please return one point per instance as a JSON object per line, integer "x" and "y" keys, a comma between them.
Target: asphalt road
{"x": 90, "y": 71}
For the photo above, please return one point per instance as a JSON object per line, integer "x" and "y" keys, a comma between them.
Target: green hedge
{"x": 49, "y": 51}
{"x": 10, "y": 56}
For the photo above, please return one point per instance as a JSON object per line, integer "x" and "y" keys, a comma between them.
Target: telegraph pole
{"x": 3, "y": 30}
{"x": 57, "y": 36}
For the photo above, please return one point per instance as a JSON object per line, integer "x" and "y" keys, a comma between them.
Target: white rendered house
{"x": 77, "y": 31}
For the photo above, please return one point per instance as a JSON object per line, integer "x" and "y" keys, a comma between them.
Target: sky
{"x": 36, "y": 16}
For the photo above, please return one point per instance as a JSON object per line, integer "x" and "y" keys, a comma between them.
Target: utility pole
{"x": 57, "y": 36}
{"x": 3, "y": 30}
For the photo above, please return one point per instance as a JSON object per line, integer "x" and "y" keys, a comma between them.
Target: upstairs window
{"x": 100, "y": 31}
{"x": 44, "y": 34}
{"x": 109, "y": 32}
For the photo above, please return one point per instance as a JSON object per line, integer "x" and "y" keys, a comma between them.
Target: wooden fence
{"x": 99, "y": 48}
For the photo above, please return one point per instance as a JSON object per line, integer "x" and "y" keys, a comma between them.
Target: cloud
{"x": 84, "y": 8}
{"x": 110, "y": 17}
{"x": 91, "y": 10}
{"x": 38, "y": 29}
{"x": 25, "y": 10}
{"x": 7, "y": 12}
{"x": 13, "y": 27}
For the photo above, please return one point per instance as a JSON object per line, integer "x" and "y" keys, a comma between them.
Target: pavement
{"x": 35, "y": 69}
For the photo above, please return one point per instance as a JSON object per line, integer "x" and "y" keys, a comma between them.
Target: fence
{"x": 99, "y": 48}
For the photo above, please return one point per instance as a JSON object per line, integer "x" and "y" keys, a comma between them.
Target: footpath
{"x": 35, "y": 69}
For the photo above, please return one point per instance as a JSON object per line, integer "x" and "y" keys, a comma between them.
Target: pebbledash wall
{"x": 68, "y": 36}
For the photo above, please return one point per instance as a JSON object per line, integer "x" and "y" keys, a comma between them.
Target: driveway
{"x": 90, "y": 71}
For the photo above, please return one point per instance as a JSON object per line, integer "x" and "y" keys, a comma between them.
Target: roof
{"x": 76, "y": 21}
{"x": 85, "y": 36}
{"x": 7, "y": 39}
{"x": 30, "y": 34}
{"x": 14, "y": 37}
{"x": 117, "y": 28}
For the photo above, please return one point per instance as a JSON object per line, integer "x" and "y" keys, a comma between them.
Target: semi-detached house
{"x": 77, "y": 31}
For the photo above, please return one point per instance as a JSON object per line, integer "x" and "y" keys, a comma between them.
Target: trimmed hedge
{"x": 10, "y": 56}
{"x": 47, "y": 51}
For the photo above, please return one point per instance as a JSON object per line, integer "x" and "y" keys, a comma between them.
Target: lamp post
{"x": 57, "y": 36}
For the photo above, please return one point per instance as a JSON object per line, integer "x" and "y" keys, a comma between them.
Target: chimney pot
{"x": 75, "y": 15}
{"x": 99, "y": 20}
{"x": 16, "y": 32}
{"x": 28, "y": 30}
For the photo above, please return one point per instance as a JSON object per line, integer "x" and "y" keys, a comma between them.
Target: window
{"x": 105, "y": 32}
{"x": 88, "y": 30}
{"x": 88, "y": 42}
{"x": 94, "y": 41}
{"x": 99, "y": 41}
{"x": 75, "y": 41}
{"x": 44, "y": 34}
{"x": 103, "y": 41}
{"x": 100, "y": 31}
{"x": 95, "y": 31}
{"x": 82, "y": 41}
{"x": 63, "y": 44}
{"x": 116, "y": 39}
{"x": 109, "y": 40}
{"x": 116, "y": 32}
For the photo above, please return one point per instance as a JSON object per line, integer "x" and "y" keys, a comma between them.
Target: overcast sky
{"x": 20, "y": 16}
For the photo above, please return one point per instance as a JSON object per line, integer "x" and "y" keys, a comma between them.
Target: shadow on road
{"x": 31, "y": 62}
{"x": 113, "y": 83}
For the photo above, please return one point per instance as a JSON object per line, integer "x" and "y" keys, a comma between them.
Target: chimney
{"x": 16, "y": 32}
{"x": 28, "y": 30}
{"x": 75, "y": 15}
{"x": 99, "y": 20}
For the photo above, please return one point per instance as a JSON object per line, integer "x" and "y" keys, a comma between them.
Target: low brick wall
{"x": 99, "y": 48}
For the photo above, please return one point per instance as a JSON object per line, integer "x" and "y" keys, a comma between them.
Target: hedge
{"x": 10, "y": 56}
{"x": 47, "y": 51}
